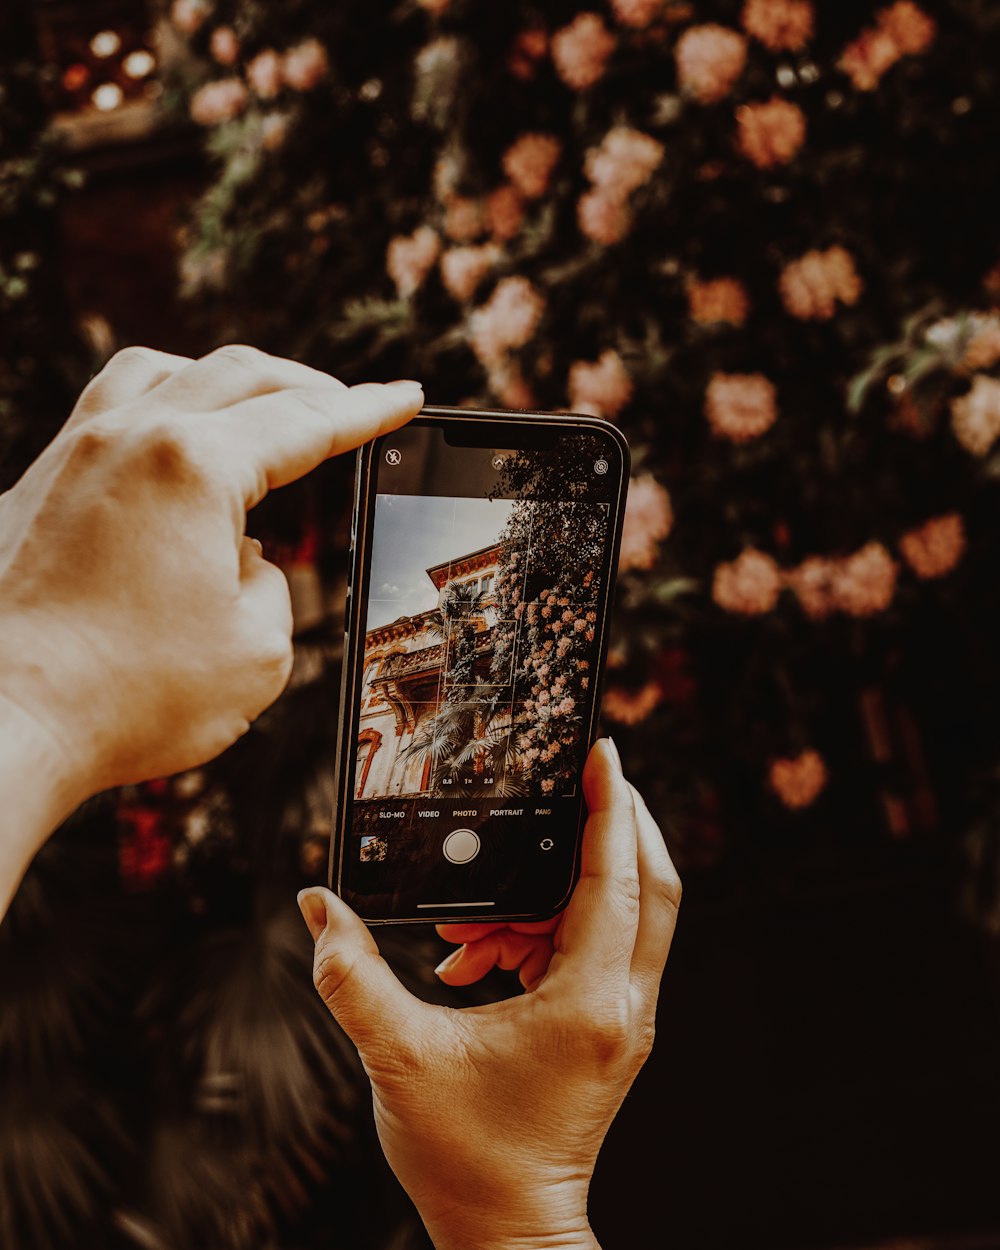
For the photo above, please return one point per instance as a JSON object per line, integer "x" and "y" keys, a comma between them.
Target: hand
{"x": 140, "y": 630}
{"x": 492, "y": 1117}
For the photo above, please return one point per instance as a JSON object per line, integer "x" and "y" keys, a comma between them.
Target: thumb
{"x": 353, "y": 979}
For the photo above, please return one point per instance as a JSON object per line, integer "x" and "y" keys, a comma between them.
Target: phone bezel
{"x": 354, "y": 635}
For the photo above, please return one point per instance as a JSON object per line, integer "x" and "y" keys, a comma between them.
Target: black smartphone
{"x": 484, "y": 557}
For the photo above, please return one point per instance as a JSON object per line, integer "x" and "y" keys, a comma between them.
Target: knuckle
{"x": 667, "y": 889}
{"x": 608, "y": 1032}
{"x": 330, "y": 971}
{"x": 238, "y": 355}
{"x": 170, "y": 452}
{"x": 89, "y": 444}
{"x": 129, "y": 357}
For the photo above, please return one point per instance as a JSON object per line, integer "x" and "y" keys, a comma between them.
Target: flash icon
{"x": 392, "y": 456}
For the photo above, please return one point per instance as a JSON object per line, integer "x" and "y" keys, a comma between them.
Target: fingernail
{"x": 406, "y": 382}
{"x": 449, "y": 962}
{"x": 613, "y": 752}
{"x": 312, "y": 905}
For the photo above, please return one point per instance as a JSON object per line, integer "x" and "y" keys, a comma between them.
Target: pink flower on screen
{"x": 865, "y": 582}
{"x": 305, "y": 65}
{"x": 581, "y": 49}
{"x": 934, "y": 548}
{"x": 770, "y": 134}
{"x": 219, "y": 101}
{"x": 781, "y": 25}
{"x": 463, "y": 220}
{"x": 798, "y": 781}
{"x": 749, "y": 585}
{"x": 638, "y": 14}
{"x": 812, "y": 583}
{"x": 901, "y": 30}
{"x": 602, "y": 389}
{"x": 975, "y": 416}
{"x": 624, "y": 160}
{"x": 709, "y": 58}
{"x": 811, "y": 285}
{"x": 409, "y": 258}
{"x": 265, "y": 74}
{"x": 529, "y": 162}
{"x": 649, "y": 518}
{"x": 910, "y": 27}
{"x": 740, "y": 406}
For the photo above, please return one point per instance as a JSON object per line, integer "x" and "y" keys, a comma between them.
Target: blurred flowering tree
{"x": 757, "y": 233}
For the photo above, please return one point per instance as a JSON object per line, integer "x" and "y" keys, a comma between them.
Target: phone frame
{"x": 354, "y": 636}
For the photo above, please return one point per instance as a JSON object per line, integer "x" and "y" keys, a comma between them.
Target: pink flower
{"x": 506, "y": 321}
{"x": 504, "y": 213}
{"x": 566, "y": 706}
{"x": 624, "y": 161}
{"x": 305, "y": 65}
{"x": 528, "y": 49}
{"x": 273, "y": 130}
{"x": 265, "y": 74}
{"x": 636, "y": 13}
{"x": 602, "y": 389}
{"x": 975, "y": 417}
{"x": 749, "y": 585}
{"x": 528, "y": 163}
{"x": 812, "y": 583}
{"x": 189, "y": 15}
{"x": 463, "y": 268}
{"x": 865, "y": 582}
{"x": 649, "y": 517}
{"x": 629, "y": 707}
{"x": 709, "y": 60}
{"x": 719, "y": 299}
{"x": 435, "y": 7}
{"x": 770, "y": 134}
{"x": 799, "y": 781}
{"x": 581, "y": 49}
{"x": 579, "y": 625}
{"x": 603, "y": 218}
{"x": 811, "y": 285}
{"x": 219, "y": 101}
{"x": 409, "y": 258}
{"x": 463, "y": 219}
{"x": 901, "y": 30}
{"x": 548, "y": 785}
{"x": 983, "y": 348}
{"x": 740, "y": 406}
{"x": 781, "y": 25}
{"x": 934, "y": 548}
{"x": 224, "y": 46}
{"x": 509, "y": 386}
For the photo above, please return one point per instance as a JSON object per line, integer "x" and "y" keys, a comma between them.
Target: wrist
{"x": 554, "y": 1220}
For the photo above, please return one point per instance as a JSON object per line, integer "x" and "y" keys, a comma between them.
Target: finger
{"x": 659, "y": 899}
{"x": 352, "y": 978}
{"x": 128, "y": 375}
{"x": 598, "y": 928}
{"x": 473, "y": 961}
{"x": 270, "y": 440}
{"x": 264, "y": 594}
{"x": 473, "y": 932}
{"x": 235, "y": 373}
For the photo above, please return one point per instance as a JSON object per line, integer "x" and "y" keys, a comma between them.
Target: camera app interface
{"x": 483, "y": 623}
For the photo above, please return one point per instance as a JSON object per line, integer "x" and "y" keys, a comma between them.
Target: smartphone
{"x": 484, "y": 555}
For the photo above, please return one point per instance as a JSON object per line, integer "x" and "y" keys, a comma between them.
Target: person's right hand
{"x": 141, "y": 631}
{"x": 492, "y": 1116}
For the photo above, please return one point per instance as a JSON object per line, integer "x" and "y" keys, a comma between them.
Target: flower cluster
{"x": 975, "y": 416}
{"x": 409, "y": 259}
{"x": 219, "y": 101}
{"x": 624, "y": 161}
{"x": 934, "y": 548}
{"x": 709, "y": 58}
{"x": 749, "y": 585}
{"x": 811, "y": 285}
{"x": 506, "y": 321}
{"x": 300, "y": 68}
{"x": 717, "y": 300}
{"x": 781, "y": 25}
{"x": 798, "y": 781}
{"x": 900, "y": 30}
{"x": 770, "y": 134}
{"x": 529, "y": 162}
{"x": 463, "y": 268}
{"x": 580, "y": 51}
{"x": 740, "y": 406}
{"x": 649, "y": 518}
{"x": 602, "y": 389}
{"x": 865, "y": 582}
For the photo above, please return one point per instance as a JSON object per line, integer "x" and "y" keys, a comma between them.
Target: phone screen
{"x": 483, "y": 581}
